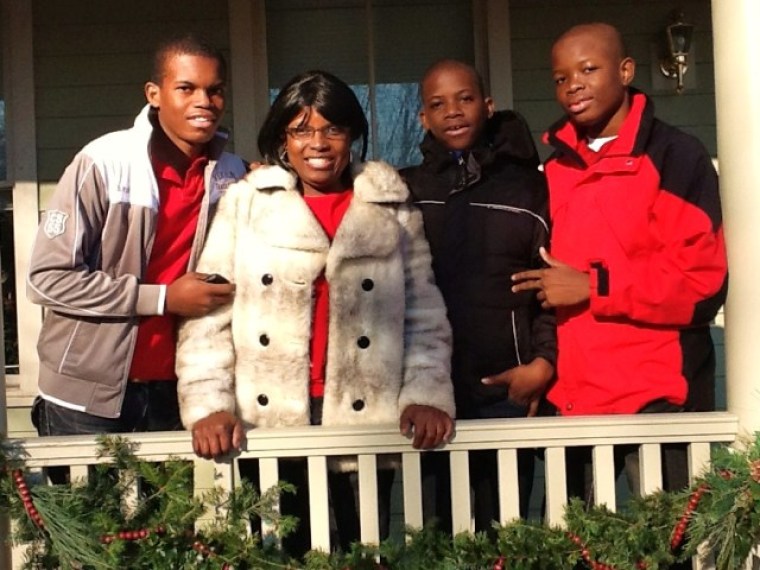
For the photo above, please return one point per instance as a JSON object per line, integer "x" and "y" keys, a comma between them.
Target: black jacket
{"x": 485, "y": 218}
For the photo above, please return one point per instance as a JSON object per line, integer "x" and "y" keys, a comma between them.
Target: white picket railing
{"x": 552, "y": 435}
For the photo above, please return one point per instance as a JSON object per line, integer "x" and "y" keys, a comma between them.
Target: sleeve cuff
{"x": 161, "y": 300}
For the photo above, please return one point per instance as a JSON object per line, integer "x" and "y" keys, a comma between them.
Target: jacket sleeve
{"x": 680, "y": 278}
{"x": 544, "y": 323}
{"x": 64, "y": 273}
{"x": 205, "y": 362}
{"x": 427, "y": 333}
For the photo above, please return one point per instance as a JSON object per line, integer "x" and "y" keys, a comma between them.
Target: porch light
{"x": 675, "y": 63}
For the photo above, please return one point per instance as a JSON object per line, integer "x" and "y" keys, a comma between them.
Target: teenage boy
{"x": 113, "y": 258}
{"x": 483, "y": 201}
{"x": 638, "y": 265}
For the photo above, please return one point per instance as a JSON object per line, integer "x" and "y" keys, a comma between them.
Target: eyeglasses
{"x": 305, "y": 132}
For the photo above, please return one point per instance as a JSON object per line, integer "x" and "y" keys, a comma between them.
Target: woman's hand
{"x": 428, "y": 425}
{"x": 217, "y": 434}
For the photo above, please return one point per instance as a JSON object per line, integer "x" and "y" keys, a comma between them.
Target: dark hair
{"x": 186, "y": 43}
{"x": 324, "y": 93}
{"x": 443, "y": 64}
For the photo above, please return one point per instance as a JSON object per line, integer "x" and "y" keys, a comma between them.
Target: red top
{"x": 329, "y": 210}
{"x": 179, "y": 205}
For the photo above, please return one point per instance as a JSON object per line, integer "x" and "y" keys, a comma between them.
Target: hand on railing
{"x": 428, "y": 425}
{"x": 217, "y": 434}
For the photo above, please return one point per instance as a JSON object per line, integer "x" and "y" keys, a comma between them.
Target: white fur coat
{"x": 252, "y": 357}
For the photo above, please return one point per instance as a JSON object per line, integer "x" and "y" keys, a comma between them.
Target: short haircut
{"x": 443, "y": 64}
{"x": 614, "y": 38}
{"x": 185, "y": 44}
{"x": 325, "y": 94}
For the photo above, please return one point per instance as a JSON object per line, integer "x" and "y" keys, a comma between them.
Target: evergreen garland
{"x": 87, "y": 525}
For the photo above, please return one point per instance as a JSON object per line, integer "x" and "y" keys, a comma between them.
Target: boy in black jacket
{"x": 484, "y": 205}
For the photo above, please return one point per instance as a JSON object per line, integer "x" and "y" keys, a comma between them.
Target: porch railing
{"x": 551, "y": 435}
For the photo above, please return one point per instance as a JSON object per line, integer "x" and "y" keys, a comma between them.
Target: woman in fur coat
{"x": 336, "y": 319}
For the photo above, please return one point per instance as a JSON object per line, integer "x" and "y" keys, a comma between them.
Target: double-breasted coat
{"x": 389, "y": 341}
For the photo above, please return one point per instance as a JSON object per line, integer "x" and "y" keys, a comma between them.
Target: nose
{"x": 202, "y": 98}
{"x": 575, "y": 83}
{"x": 452, "y": 109}
{"x": 318, "y": 139}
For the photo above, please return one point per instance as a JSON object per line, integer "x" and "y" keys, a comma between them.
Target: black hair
{"x": 453, "y": 63}
{"x": 185, "y": 43}
{"x": 321, "y": 91}
{"x": 616, "y": 37}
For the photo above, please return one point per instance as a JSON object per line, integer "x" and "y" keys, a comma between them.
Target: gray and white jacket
{"x": 89, "y": 257}
{"x": 389, "y": 339}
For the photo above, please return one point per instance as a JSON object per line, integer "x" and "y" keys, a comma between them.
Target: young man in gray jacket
{"x": 115, "y": 251}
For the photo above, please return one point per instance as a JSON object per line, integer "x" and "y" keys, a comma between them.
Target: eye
{"x": 335, "y": 132}
{"x": 216, "y": 92}
{"x": 185, "y": 89}
{"x": 435, "y": 104}
{"x": 302, "y": 131}
{"x": 590, "y": 69}
{"x": 467, "y": 98}
{"x": 559, "y": 80}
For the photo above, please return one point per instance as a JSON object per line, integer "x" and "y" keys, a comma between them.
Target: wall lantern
{"x": 675, "y": 64}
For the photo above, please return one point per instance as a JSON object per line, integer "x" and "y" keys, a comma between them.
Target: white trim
{"x": 21, "y": 129}
{"x": 512, "y": 209}
{"x": 514, "y": 337}
{"x": 734, "y": 35}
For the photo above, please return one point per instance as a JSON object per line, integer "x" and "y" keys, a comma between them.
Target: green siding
{"x": 92, "y": 59}
{"x": 536, "y": 23}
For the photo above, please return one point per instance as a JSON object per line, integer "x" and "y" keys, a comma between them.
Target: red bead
{"x": 143, "y": 533}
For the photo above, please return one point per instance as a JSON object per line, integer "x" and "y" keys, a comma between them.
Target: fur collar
{"x": 374, "y": 181}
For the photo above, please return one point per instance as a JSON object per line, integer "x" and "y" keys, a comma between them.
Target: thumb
{"x": 548, "y": 259}
{"x": 495, "y": 380}
{"x": 237, "y": 435}
{"x": 405, "y": 424}
{"x": 533, "y": 408}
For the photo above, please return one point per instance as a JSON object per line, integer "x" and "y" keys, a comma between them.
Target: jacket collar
{"x": 631, "y": 140}
{"x": 147, "y": 121}
{"x": 506, "y": 138}
{"x": 374, "y": 181}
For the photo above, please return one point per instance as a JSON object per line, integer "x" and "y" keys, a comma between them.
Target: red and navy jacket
{"x": 644, "y": 219}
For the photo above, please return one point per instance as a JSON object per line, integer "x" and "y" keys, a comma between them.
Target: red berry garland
{"x": 26, "y": 498}
{"x": 677, "y": 536}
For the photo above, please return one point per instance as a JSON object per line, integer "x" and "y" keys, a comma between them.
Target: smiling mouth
{"x": 457, "y": 130}
{"x": 319, "y": 163}
{"x": 202, "y": 121}
{"x": 577, "y": 107}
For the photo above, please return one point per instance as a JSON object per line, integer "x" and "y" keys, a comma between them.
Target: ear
{"x": 423, "y": 121}
{"x": 627, "y": 70}
{"x": 489, "y": 106}
{"x": 153, "y": 94}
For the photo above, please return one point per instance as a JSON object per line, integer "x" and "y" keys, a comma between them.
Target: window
{"x": 7, "y": 258}
{"x": 379, "y": 47}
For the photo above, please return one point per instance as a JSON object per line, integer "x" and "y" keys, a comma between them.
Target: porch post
{"x": 737, "y": 84}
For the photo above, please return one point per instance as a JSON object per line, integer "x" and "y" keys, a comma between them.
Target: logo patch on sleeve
{"x": 55, "y": 223}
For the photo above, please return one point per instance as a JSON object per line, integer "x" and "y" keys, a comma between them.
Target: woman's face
{"x": 318, "y": 151}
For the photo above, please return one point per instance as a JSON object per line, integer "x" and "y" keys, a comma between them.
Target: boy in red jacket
{"x": 638, "y": 266}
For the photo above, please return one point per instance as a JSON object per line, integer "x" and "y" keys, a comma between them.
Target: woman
{"x": 336, "y": 319}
